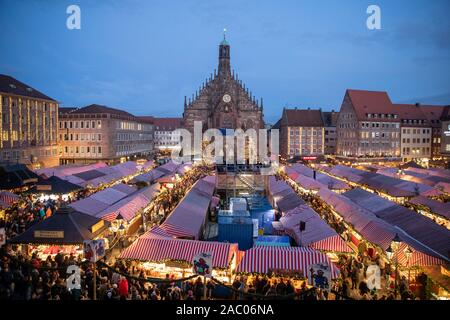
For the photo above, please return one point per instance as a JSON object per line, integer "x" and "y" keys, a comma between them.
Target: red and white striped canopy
{"x": 8, "y": 197}
{"x": 334, "y": 244}
{"x": 152, "y": 249}
{"x": 418, "y": 258}
{"x": 157, "y": 232}
{"x": 176, "y": 231}
{"x": 264, "y": 259}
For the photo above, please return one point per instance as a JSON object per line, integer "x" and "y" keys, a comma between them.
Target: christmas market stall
{"x": 389, "y": 187}
{"x": 314, "y": 179}
{"x": 188, "y": 218}
{"x": 434, "y": 209}
{"x": 53, "y": 188}
{"x": 158, "y": 255}
{"x": 16, "y": 177}
{"x": 156, "y": 173}
{"x": 419, "y": 227}
{"x": 128, "y": 212}
{"x": 7, "y": 199}
{"x": 406, "y": 242}
{"x": 101, "y": 200}
{"x": 67, "y": 170}
{"x": 293, "y": 263}
{"x": 63, "y": 232}
{"x": 307, "y": 228}
{"x": 105, "y": 176}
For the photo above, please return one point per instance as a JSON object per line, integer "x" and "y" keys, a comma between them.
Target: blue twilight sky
{"x": 144, "y": 56}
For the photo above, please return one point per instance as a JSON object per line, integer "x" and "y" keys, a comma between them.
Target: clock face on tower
{"x": 226, "y": 98}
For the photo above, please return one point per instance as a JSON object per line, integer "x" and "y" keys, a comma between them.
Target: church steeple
{"x": 224, "y": 57}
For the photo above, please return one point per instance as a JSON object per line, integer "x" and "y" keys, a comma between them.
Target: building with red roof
{"x": 368, "y": 125}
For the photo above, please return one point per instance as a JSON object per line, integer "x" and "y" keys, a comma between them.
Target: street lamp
{"x": 408, "y": 254}
{"x": 121, "y": 230}
{"x": 396, "y": 242}
{"x": 391, "y": 254}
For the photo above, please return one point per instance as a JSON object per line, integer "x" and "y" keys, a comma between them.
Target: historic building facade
{"x": 368, "y": 126}
{"x": 28, "y": 125}
{"x": 416, "y": 133}
{"x": 302, "y": 133}
{"x": 223, "y": 101}
{"x": 330, "y": 120}
{"x": 167, "y": 136}
{"x": 100, "y": 133}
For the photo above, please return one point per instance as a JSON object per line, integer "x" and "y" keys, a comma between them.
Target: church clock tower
{"x": 223, "y": 101}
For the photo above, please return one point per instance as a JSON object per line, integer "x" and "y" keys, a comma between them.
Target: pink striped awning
{"x": 418, "y": 259}
{"x": 158, "y": 250}
{"x": 157, "y": 232}
{"x": 176, "y": 231}
{"x": 8, "y": 197}
{"x": 334, "y": 243}
{"x": 295, "y": 259}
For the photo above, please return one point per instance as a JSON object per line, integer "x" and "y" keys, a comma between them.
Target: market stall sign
{"x": 97, "y": 226}
{"x": 30, "y": 180}
{"x": 48, "y": 234}
{"x": 287, "y": 272}
{"x": 44, "y": 187}
{"x": 177, "y": 264}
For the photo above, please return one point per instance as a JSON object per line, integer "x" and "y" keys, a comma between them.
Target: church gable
{"x": 223, "y": 101}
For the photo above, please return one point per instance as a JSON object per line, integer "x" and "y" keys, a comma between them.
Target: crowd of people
{"x": 31, "y": 278}
{"x": 353, "y": 276}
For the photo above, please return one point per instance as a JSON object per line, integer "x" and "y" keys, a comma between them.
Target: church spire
{"x": 224, "y": 57}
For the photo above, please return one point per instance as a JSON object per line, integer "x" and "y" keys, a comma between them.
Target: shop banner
{"x": 320, "y": 276}
{"x": 2, "y": 236}
{"x": 94, "y": 250}
{"x": 202, "y": 264}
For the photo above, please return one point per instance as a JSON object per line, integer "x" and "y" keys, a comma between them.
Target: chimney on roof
{"x": 332, "y": 110}
{"x": 417, "y": 104}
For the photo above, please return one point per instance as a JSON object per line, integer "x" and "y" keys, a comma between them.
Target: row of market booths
{"x": 436, "y": 207}
{"x": 373, "y": 223}
{"x": 301, "y": 222}
{"x": 392, "y": 188}
{"x": 166, "y": 172}
{"x": 108, "y": 214}
{"x": 172, "y": 246}
{"x": 96, "y": 175}
{"x": 311, "y": 181}
{"x": 439, "y": 179}
{"x": 423, "y": 196}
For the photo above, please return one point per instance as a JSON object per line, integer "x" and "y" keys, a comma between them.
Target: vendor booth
{"x": 293, "y": 263}
{"x": 63, "y": 232}
{"x": 158, "y": 255}
{"x": 53, "y": 188}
